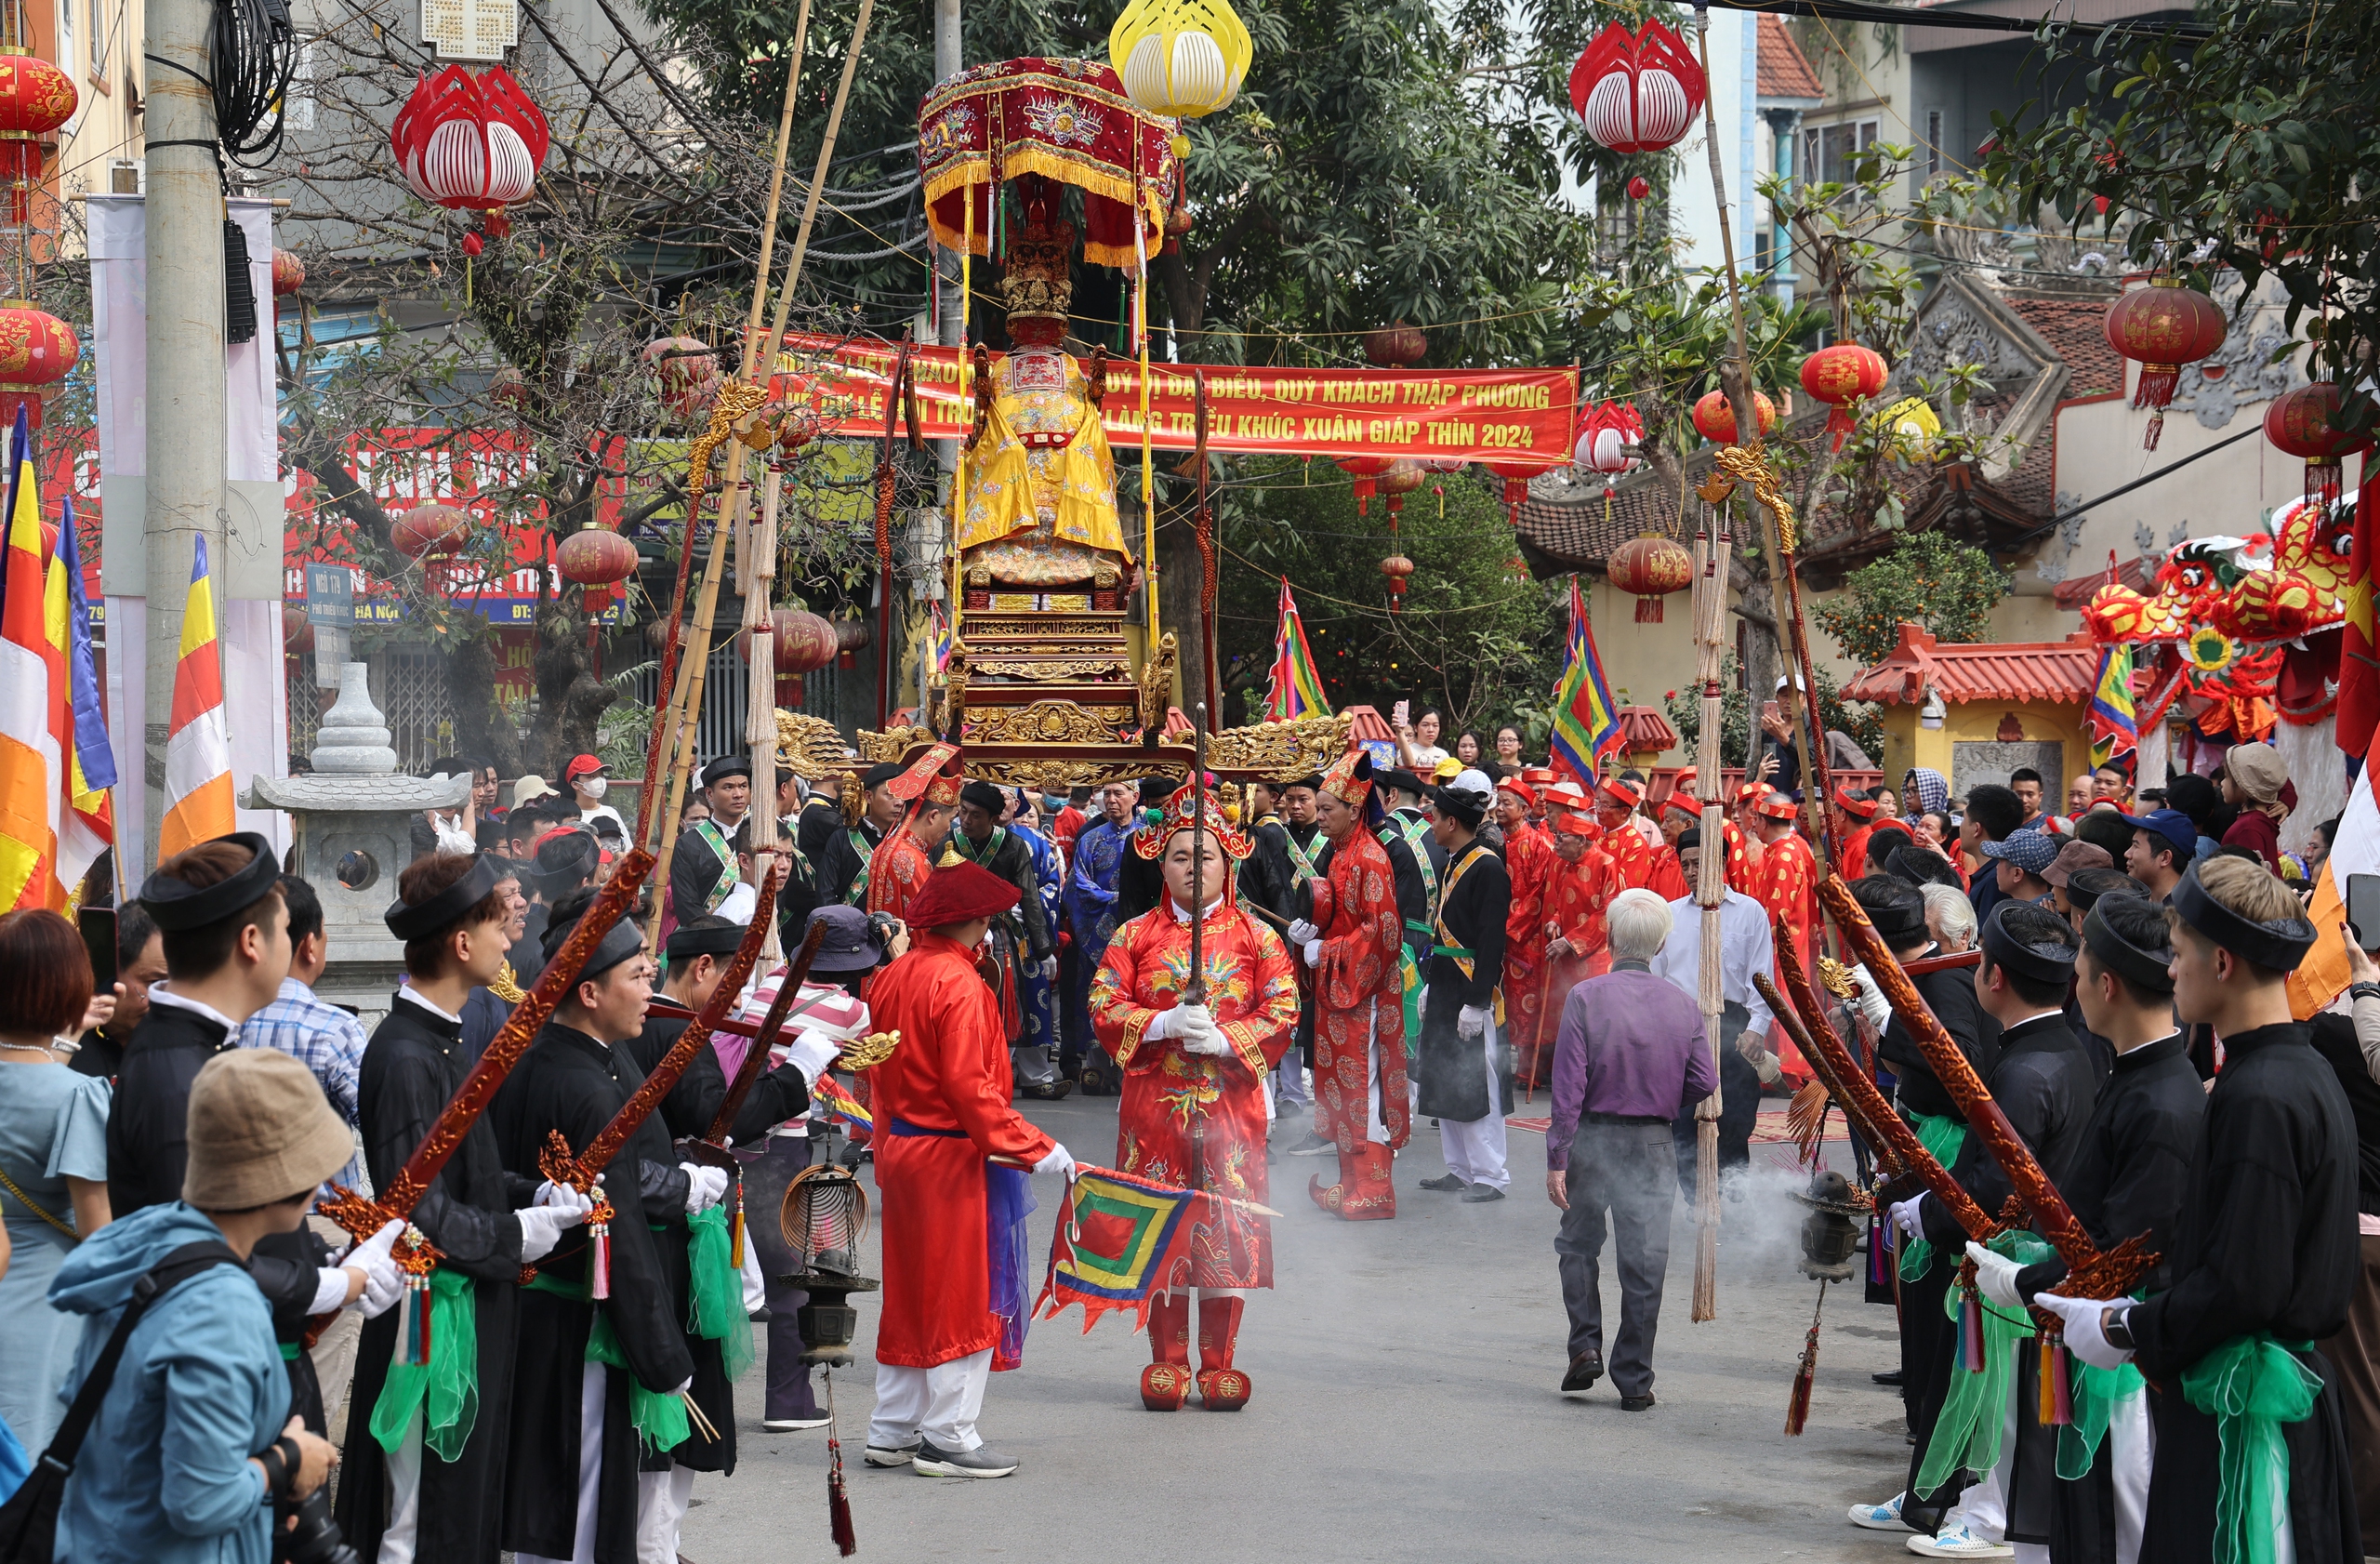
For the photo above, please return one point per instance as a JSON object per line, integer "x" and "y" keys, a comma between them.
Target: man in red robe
{"x": 1744, "y": 836}
{"x": 929, "y": 785}
{"x": 1789, "y": 872}
{"x": 941, "y": 1111}
{"x": 1578, "y": 888}
{"x": 1854, "y": 821}
{"x": 1192, "y": 1109}
{"x": 1615, "y": 803}
{"x": 1529, "y": 861}
{"x": 1352, "y": 938}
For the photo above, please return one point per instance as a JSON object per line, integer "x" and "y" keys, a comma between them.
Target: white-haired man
{"x": 1949, "y": 918}
{"x": 1630, "y": 1056}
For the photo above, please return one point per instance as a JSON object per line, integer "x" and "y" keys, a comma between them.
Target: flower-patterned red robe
{"x": 896, "y": 872}
{"x": 1629, "y": 855}
{"x": 1789, "y": 889}
{"x": 1529, "y": 859}
{"x": 1359, "y": 995}
{"x": 1253, "y": 995}
{"x": 1668, "y": 878}
{"x": 1576, "y": 898}
{"x": 1743, "y": 861}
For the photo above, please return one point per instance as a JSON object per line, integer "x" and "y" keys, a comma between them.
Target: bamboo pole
{"x": 1711, "y": 547}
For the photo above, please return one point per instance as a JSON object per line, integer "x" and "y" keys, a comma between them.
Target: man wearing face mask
{"x": 588, "y": 778}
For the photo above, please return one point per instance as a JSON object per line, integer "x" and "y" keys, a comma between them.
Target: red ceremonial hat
{"x": 1778, "y": 806}
{"x": 1151, "y": 845}
{"x": 1565, "y": 797}
{"x": 933, "y": 773}
{"x": 1681, "y": 797}
{"x": 1515, "y": 785}
{"x": 1572, "y": 822}
{"x": 1848, "y": 800}
{"x": 960, "y": 893}
{"x": 1536, "y": 776}
{"x": 1624, "y": 790}
{"x": 1349, "y": 779}
{"x": 1751, "y": 790}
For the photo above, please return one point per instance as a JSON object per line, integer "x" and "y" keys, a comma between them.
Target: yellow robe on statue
{"x": 1016, "y": 484}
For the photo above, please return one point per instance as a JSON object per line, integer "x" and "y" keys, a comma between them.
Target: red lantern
{"x": 1397, "y": 567}
{"x": 297, "y": 631}
{"x": 1650, "y": 568}
{"x": 1611, "y": 426}
{"x": 2163, "y": 326}
{"x": 288, "y": 272}
{"x": 1639, "y": 187}
{"x": 1396, "y": 346}
{"x": 1639, "y": 92}
{"x": 37, "y": 352}
{"x": 805, "y": 643}
{"x": 431, "y": 529}
{"x": 684, "y": 372}
{"x": 1715, "y": 419}
{"x": 1840, "y": 376}
{"x": 468, "y": 142}
{"x": 789, "y": 420}
{"x": 1404, "y": 475}
{"x": 852, "y": 636}
{"x": 2299, "y": 425}
{"x": 36, "y": 98}
{"x": 1516, "y": 473}
{"x": 508, "y": 387}
{"x": 598, "y": 559}
{"x": 1366, "y": 471}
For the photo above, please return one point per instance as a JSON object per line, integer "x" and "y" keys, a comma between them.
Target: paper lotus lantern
{"x": 37, "y": 352}
{"x": 470, "y": 143}
{"x": 1397, "y": 567}
{"x": 1611, "y": 426}
{"x": 1840, "y": 376}
{"x": 598, "y": 559}
{"x": 685, "y": 374}
{"x": 805, "y": 642}
{"x": 431, "y": 529}
{"x": 1715, "y": 419}
{"x": 1637, "y": 92}
{"x": 1366, "y": 471}
{"x": 1649, "y": 569}
{"x": 2300, "y": 424}
{"x": 36, "y": 98}
{"x": 1397, "y": 345}
{"x": 1914, "y": 425}
{"x": 2163, "y": 326}
{"x": 1183, "y": 59}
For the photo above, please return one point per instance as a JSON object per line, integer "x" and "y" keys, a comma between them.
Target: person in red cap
{"x": 941, "y": 1111}
{"x": 588, "y": 778}
{"x": 1355, "y": 943}
{"x": 1789, "y": 872}
{"x": 1746, "y": 826}
{"x": 1616, "y": 802}
{"x": 1192, "y": 1110}
{"x": 1530, "y": 862}
{"x": 1681, "y": 812}
{"x": 1578, "y": 888}
{"x": 929, "y": 785}
{"x": 1855, "y": 820}
{"x": 1539, "y": 777}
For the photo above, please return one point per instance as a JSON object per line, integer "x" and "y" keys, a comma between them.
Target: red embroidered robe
{"x": 1575, "y": 898}
{"x": 1743, "y": 861}
{"x": 1629, "y": 855}
{"x": 1855, "y": 852}
{"x": 1529, "y": 859}
{"x": 1789, "y": 889}
{"x": 1253, "y": 995}
{"x": 1668, "y": 878}
{"x": 1359, "y": 995}
{"x": 896, "y": 872}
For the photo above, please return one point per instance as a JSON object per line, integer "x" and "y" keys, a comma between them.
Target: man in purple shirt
{"x": 1630, "y": 1056}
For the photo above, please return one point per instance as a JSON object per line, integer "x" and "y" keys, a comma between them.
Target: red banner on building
{"x": 1451, "y": 415}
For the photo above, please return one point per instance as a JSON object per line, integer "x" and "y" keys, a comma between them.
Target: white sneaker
{"x": 1881, "y": 1518}
{"x": 789, "y": 1425}
{"x": 1957, "y": 1542}
{"x": 892, "y": 1456}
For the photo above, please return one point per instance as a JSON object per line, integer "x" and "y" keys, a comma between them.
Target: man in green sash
{"x": 2252, "y": 1461}
{"x": 426, "y": 1442}
{"x": 842, "y": 868}
{"x": 701, "y": 872}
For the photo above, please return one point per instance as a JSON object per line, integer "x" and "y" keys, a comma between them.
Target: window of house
{"x": 1827, "y": 149}
{"x": 99, "y": 40}
{"x": 1932, "y": 143}
{"x": 66, "y": 58}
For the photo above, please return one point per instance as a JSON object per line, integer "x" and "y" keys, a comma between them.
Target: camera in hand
{"x": 305, "y": 1533}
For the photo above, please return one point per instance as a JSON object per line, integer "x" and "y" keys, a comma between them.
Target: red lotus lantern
{"x": 2164, "y": 326}
{"x": 684, "y": 372}
{"x": 468, "y": 142}
{"x": 288, "y": 272}
{"x": 1714, "y": 417}
{"x": 431, "y": 529}
{"x": 1637, "y": 92}
{"x": 1650, "y": 568}
{"x": 805, "y": 643}
{"x": 1366, "y": 471}
{"x": 1610, "y": 428}
{"x": 37, "y": 352}
{"x": 36, "y": 98}
{"x": 1396, "y": 346}
{"x": 598, "y": 559}
{"x": 1404, "y": 475}
{"x": 1397, "y": 567}
{"x": 1841, "y": 375}
{"x": 2299, "y": 425}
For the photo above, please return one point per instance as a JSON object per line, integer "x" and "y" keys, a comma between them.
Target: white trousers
{"x": 592, "y": 1387}
{"x": 1373, "y": 1129}
{"x": 1475, "y": 1149}
{"x": 2132, "y": 1451}
{"x": 755, "y": 1288}
{"x": 661, "y": 1502}
{"x": 939, "y": 1405}
{"x": 405, "y": 1497}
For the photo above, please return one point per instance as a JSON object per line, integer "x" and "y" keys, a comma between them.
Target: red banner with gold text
{"x": 1520, "y": 415}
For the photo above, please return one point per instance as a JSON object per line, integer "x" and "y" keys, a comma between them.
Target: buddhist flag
{"x": 1296, "y": 684}
{"x": 1119, "y": 1239}
{"x": 1585, "y": 724}
{"x": 87, "y": 825}
{"x": 198, "y": 745}
{"x": 33, "y": 705}
{"x": 2115, "y": 728}
{"x": 2321, "y": 977}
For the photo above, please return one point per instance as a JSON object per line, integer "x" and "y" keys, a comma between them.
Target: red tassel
{"x": 2061, "y": 1377}
{"x": 1971, "y": 1333}
{"x": 838, "y": 1503}
{"x": 1648, "y": 611}
{"x": 1839, "y": 424}
{"x": 1797, "y": 1411}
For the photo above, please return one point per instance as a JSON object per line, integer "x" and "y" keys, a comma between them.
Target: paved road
{"x": 1404, "y": 1408}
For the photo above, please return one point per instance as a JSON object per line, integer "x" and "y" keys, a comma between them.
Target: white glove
{"x": 1871, "y": 1001}
{"x": 330, "y": 1289}
{"x": 1906, "y": 1216}
{"x": 811, "y": 1054}
{"x": 1060, "y": 1160}
{"x": 705, "y": 1187}
{"x": 1303, "y": 933}
{"x": 1472, "y": 1024}
{"x": 1176, "y": 1023}
{"x": 1199, "y": 1032}
{"x": 564, "y": 1198}
{"x": 1995, "y": 1276}
{"x": 541, "y": 1229}
{"x": 684, "y": 1386}
{"x": 1313, "y": 952}
{"x": 1048, "y": 969}
{"x": 383, "y": 1283}
{"x": 2084, "y": 1337}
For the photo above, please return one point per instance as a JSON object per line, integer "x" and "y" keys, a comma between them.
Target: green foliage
{"x": 1860, "y": 719}
{"x": 1928, "y": 579}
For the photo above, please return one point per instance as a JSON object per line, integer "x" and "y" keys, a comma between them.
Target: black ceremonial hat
{"x": 2141, "y": 967}
{"x": 726, "y": 766}
{"x": 410, "y": 921}
{"x": 2048, "y": 958}
{"x": 175, "y": 906}
{"x": 686, "y": 943}
{"x": 2279, "y": 945}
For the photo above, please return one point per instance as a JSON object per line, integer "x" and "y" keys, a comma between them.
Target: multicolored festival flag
{"x": 2115, "y": 727}
{"x": 1297, "y": 683}
{"x": 830, "y": 1096}
{"x": 198, "y": 745}
{"x": 1585, "y": 723}
{"x": 33, "y": 705}
{"x": 2324, "y": 975}
{"x": 87, "y": 825}
{"x": 938, "y": 636}
{"x": 1119, "y": 1239}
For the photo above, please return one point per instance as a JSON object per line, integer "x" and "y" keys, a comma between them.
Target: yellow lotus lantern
{"x": 1180, "y": 58}
{"x": 1913, "y": 424}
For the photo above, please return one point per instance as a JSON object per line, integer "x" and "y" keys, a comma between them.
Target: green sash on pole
{"x": 2251, "y": 1385}
{"x": 1943, "y": 1138}
{"x": 717, "y": 1312}
{"x": 447, "y": 1387}
{"x": 1975, "y": 1414}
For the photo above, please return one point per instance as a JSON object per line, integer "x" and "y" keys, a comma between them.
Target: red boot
{"x": 1165, "y": 1383}
{"x": 1369, "y": 1195}
{"x": 1334, "y": 1197}
{"x": 1220, "y": 1386}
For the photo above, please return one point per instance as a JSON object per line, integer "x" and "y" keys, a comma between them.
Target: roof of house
{"x": 1784, "y": 69}
{"x": 2054, "y": 671}
{"x": 2077, "y": 329}
{"x": 2076, "y": 590}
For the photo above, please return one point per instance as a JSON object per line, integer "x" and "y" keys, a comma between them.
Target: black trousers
{"x": 766, "y": 1174}
{"x": 1628, "y": 1170}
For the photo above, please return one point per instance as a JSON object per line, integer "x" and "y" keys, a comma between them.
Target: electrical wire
{"x": 254, "y": 50}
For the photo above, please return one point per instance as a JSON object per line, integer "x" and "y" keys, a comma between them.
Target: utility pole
{"x": 184, "y": 249}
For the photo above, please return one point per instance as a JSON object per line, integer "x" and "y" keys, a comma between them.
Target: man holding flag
{"x": 1585, "y": 722}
